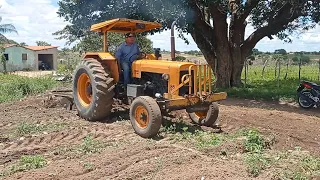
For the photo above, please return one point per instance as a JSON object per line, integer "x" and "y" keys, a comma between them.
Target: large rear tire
{"x": 209, "y": 118}
{"x": 145, "y": 116}
{"x": 93, "y": 90}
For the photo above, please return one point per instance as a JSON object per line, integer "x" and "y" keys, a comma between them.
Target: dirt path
{"x": 60, "y": 136}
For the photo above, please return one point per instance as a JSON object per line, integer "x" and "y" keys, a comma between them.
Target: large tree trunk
{"x": 222, "y": 52}
{"x": 222, "y": 48}
{"x": 223, "y": 73}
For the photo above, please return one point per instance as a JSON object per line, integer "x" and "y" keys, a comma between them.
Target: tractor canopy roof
{"x": 124, "y": 25}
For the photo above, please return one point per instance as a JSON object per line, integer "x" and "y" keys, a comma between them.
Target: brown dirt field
{"x": 128, "y": 156}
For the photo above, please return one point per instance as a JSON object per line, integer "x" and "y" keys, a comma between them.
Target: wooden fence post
{"x": 245, "y": 73}
{"x": 319, "y": 71}
{"x": 279, "y": 69}
{"x": 300, "y": 62}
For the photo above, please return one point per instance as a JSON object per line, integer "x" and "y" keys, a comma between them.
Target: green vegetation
{"x": 90, "y": 145}
{"x": 89, "y": 166}
{"x": 28, "y": 129}
{"x": 13, "y": 87}
{"x": 203, "y": 139}
{"x": 255, "y": 150}
{"x": 180, "y": 58}
{"x": 42, "y": 43}
{"x": 304, "y": 59}
{"x": 266, "y": 87}
{"x": 29, "y": 162}
{"x": 297, "y": 165}
{"x": 254, "y": 157}
{"x": 26, "y": 163}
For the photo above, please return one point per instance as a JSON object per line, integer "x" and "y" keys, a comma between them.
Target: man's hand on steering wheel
{"x": 142, "y": 55}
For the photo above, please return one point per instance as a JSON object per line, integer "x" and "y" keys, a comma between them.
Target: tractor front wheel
{"x": 93, "y": 90}
{"x": 145, "y": 116}
{"x": 209, "y": 118}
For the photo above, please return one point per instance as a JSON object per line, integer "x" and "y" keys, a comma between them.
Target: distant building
{"x": 30, "y": 57}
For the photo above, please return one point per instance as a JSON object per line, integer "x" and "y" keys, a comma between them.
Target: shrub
{"x": 180, "y": 58}
{"x": 14, "y": 87}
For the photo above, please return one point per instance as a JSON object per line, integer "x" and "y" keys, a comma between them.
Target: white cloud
{"x": 37, "y": 20}
{"x": 34, "y": 20}
{"x": 307, "y": 41}
{"x": 162, "y": 40}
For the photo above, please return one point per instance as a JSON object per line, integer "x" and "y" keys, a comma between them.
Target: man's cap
{"x": 129, "y": 34}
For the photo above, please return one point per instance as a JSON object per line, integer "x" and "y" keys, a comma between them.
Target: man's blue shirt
{"x": 127, "y": 53}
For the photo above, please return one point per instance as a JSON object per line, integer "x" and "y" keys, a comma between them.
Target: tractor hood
{"x": 159, "y": 66}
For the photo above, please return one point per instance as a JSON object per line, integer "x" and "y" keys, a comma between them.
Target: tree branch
{"x": 249, "y": 5}
{"x": 284, "y": 17}
{"x": 205, "y": 47}
{"x": 220, "y": 26}
{"x": 201, "y": 21}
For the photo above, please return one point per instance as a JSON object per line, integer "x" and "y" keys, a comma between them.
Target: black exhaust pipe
{"x": 173, "y": 49}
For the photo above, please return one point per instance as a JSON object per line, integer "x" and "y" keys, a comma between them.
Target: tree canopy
{"x": 42, "y": 43}
{"x": 94, "y": 42}
{"x": 6, "y": 28}
{"x": 206, "y": 20}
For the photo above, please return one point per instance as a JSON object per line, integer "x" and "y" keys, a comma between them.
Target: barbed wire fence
{"x": 282, "y": 70}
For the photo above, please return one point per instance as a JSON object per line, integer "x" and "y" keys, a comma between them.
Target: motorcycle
{"x": 308, "y": 94}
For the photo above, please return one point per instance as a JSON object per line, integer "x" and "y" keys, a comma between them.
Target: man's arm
{"x": 118, "y": 54}
{"x": 138, "y": 49}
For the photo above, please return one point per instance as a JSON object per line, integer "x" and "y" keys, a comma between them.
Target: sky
{"x": 37, "y": 19}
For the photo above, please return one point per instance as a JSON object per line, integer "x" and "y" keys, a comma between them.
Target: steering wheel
{"x": 142, "y": 55}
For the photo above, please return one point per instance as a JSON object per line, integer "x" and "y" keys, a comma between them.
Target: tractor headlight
{"x": 165, "y": 77}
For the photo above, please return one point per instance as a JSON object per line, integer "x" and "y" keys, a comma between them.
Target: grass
{"x": 254, "y": 158}
{"x": 296, "y": 165}
{"x": 255, "y": 151}
{"x": 89, "y": 145}
{"x": 89, "y": 166}
{"x": 24, "y": 128}
{"x": 14, "y": 87}
{"x": 268, "y": 87}
{"x": 204, "y": 139}
{"x": 26, "y": 163}
{"x": 252, "y": 142}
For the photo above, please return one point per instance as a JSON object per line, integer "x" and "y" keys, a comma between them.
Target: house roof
{"x": 9, "y": 45}
{"x": 33, "y": 48}
{"x": 40, "y": 48}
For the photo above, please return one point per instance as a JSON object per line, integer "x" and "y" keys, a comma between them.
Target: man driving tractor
{"x": 127, "y": 52}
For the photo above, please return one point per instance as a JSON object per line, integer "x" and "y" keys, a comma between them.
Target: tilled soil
{"x": 129, "y": 156}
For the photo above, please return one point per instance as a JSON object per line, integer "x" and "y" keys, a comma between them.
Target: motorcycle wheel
{"x": 303, "y": 101}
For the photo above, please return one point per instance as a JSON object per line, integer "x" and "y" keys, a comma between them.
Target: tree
{"x": 3, "y": 60}
{"x": 280, "y": 51}
{"x": 94, "y": 42}
{"x": 23, "y": 44}
{"x": 206, "y": 21}
{"x": 256, "y": 51}
{"x": 5, "y": 28}
{"x": 42, "y": 43}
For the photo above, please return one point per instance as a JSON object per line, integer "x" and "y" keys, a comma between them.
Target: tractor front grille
{"x": 185, "y": 89}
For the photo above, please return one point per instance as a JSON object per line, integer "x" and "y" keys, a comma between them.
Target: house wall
{"x": 15, "y": 62}
{"x": 53, "y": 51}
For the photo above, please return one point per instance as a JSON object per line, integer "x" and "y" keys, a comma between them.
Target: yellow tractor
{"x": 159, "y": 86}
